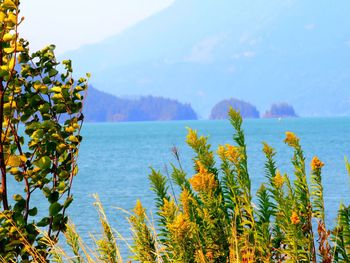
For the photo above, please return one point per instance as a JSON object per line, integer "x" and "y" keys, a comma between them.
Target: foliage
{"x": 101, "y": 107}
{"x": 247, "y": 110}
{"x": 280, "y": 110}
{"x": 214, "y": 218}
{"x": 46, "y": 104}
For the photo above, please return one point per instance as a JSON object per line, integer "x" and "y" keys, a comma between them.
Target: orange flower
{"x": 233, "y": 153}
{"x": 203, "y": 181}
{"x": 209, "y": 255}
{"x": 316, "y": 164}
{"x": 295, "y": 218}
{"x": 291, "y": 139}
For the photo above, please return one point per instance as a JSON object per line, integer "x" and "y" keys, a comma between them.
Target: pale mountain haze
{"x": 201, "y": 52}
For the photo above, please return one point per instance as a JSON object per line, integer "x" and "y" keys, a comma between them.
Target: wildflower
{"x": 209, "y": 255}
{"x": 295, "y": 218}
{"x": 168, "y": 209}
{"x": 185, "y": 199}
{"x": 291, "y": 139}
{"x": 139, "y": 210}
{"x": 278, "y": 179}
{"x": 316, "y": 164}
{"x": 221, "y": 152}
{"x": 192, "y": 138}
{"x": 203, "y": 181}
{"x": 267, "y": 149}
{"x": 180, "y": 227}
{"x": 233, "y": 153}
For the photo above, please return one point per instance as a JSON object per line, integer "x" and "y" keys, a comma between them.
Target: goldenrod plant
{"x": 214, "y": 219}
{"x": 40, "y": 122}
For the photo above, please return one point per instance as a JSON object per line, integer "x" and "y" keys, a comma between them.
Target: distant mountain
{"x": 205, "y": 51}
{"x": 102, "y": 107}
{"x": 221, "y": 109}
{"x": 280, "y": 110}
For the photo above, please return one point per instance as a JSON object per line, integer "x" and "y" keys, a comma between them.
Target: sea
{"x": 115, "y": 160}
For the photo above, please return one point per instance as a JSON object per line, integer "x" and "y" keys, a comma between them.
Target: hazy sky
{"x": 71, "y": 23}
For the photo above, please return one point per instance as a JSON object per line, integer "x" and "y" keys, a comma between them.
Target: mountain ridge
{"x": 258, "y": 51}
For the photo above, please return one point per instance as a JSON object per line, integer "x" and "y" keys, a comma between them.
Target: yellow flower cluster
{"x": 185, "y": 199}
{"x": 203, "y": 181}
{"x": 139, "y": 210}
{"x": 268, "y": 150}
{"x": 180, "y": 227}
{"x": 316, "y": 164}
{"x": 230, "y": 152}
{"x": 193, "y": 140}
{"x": 291, "y": 139}
{"x": 295, "y": 218}
{"x": 192, "y": 137}
{"x": 278, "y": 179}
{"x": 168, "y": 209}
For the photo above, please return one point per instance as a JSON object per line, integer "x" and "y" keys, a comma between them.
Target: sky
{"x": 69, "y": 24}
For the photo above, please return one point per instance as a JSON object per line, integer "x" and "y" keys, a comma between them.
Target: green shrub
{"x": 46, "y": 104}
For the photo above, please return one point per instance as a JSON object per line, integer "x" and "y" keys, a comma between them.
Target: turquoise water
{"x": 115, "y": 158}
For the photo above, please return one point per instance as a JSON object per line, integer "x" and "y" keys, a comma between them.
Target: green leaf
{"x": 33, "y": 211}
{"x": 43, "y": 222}
{"x": 53, "y": 72}
{"x": 68, "y": 202}
{"x": 54, "y": 209}
{"x": 17, "y": 197}
{"x": 53, "y": 197}
{"x": 44, "y": 162}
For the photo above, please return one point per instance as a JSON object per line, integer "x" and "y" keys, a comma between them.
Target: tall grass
{"x": 213, "y": 219}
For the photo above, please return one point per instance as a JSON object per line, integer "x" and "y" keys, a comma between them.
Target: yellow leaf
{"x": 9, "y": 4}
{"x": 7, "y": 37}
{"x": 72, "y": 138}
{"x": 23, "y": 158}
{"x": 12, "y": 63}
{"x": 56, "y": 89}
{"x": 9, "y": 50}
{"x": 70, "y": 129}
{"x": 12, "y": 18}
{"x": 2, "y": 17}
{"x": 10, "y": 105}
{"x": 13, "y": 161}
{"x": 57, "y": 96}
{"x": 19, "y": 48}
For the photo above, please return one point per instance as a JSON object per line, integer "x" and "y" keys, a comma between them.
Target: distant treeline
{"x": 104, "y": 107}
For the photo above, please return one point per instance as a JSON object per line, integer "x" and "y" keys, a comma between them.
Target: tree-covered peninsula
{"x": 104, "y": 107}
{"x": 246, "y": 109}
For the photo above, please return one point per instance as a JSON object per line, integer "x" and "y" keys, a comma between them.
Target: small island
{"x": 103, "y": 107}
{"x": 247, "y": 110}
{"x": 280, "y": 110}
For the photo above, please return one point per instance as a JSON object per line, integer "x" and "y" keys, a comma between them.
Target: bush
{"x": 47, "y": 105}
